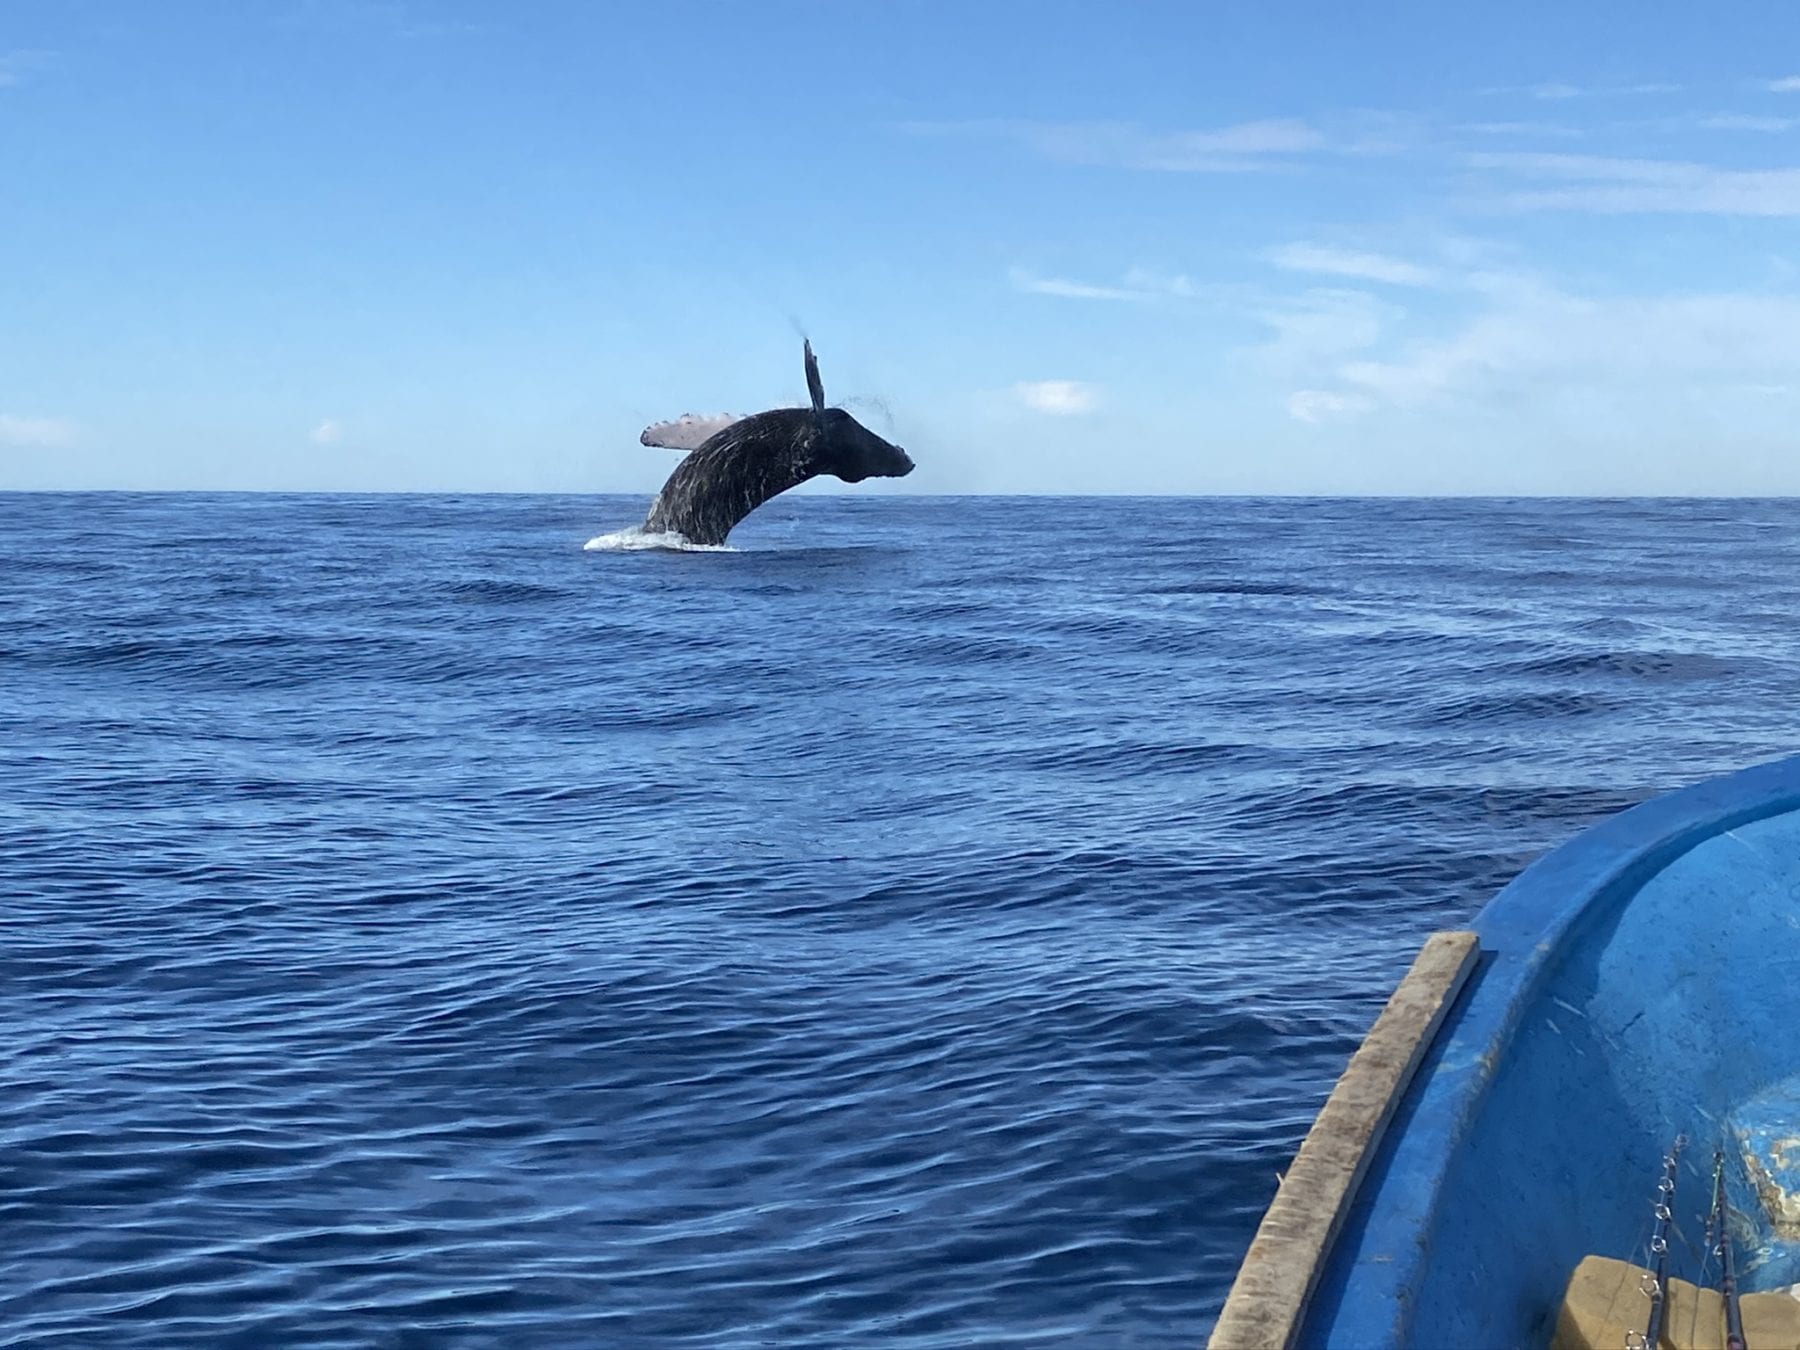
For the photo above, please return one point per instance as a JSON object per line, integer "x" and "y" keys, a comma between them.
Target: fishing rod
{"x": 1734, "y": 1319}
{"x": 1659, "y": 1247}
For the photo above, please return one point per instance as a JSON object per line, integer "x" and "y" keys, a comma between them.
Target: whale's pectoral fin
{"x": 814, "y": 385}
{"x": 689, "y": 431}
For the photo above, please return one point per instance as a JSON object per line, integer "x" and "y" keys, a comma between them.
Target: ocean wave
{"x": 635, "y": 540}
{"x": 937, "y": 927}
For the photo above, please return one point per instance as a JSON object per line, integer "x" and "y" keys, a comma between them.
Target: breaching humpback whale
{"x": 736, "y": 464}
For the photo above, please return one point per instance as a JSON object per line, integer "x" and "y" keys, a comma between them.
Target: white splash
{"x": 635, "y": 540}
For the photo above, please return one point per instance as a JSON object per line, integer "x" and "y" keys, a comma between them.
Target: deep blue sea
{"x": 932, "y": 924}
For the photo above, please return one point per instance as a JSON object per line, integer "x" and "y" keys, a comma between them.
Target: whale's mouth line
{"x": 852, "y": 476}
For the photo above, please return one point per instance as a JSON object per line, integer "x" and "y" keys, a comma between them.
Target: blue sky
{"x": 1197, "y": 248}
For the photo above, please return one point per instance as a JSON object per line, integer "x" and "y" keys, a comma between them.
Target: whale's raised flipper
{"x": 689, "y": 431}
{"x": 751, "y": 459}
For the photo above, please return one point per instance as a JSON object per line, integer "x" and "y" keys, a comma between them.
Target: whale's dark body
{"x": 737, "y": 469}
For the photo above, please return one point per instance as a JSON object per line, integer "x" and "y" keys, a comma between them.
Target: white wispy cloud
{"x": 1137, "y": 284}
{"x": 1537, "y": 346}
{"x": 1554, "y": 165}
{"x": 328, "y": 432}
{"x": 1059, "y": 398}
{"x": 1554, "y": 91}
{"x": 1241, "y": 147}
{"x": 1176, "y": 285}
{"x": 1747, "y": 122}
{"x": 1316, "y": 329}
{"x": 1340, "y": 262}
{"x": 398, "y": 18}
{"x": 1069, "y": 290}
{"x": 1560, "y": 130}
{"x": 1323, "y": 405}
{"x": 18, "y": 65}
{"x": 36, "y": 431}
{"x": 1600, "y": 184}
{"x": 1787, "y": 84}
{"x": 441, "y": 28}
{"x": 1369, "y": 132}
{"x": 1723, "y": 121}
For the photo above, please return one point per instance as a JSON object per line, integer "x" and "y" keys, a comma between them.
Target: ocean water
{"x": 931, "y": 924}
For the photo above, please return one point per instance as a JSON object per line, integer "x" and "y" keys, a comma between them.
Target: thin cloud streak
{"x": 1322, "y": 405}
{"x": 1556, "y": 129}
{"x": 1058, "y": 398}
{"x": 1747, "y": 122}
{"x": 1557, "y": 91}
{"x": 1550, "y": 165}
{"x": 401, "y": 19}
{"x": 1339, "y": 262}
{"x": 18, "y": 65}
{"x": 1069, "y": 290}
{"x": 1313, "y": 331}
{"x": 1138, "y": 286}
{"x": 1702, "y": 349}
{"x": 1619, "y": 186}
{"x": 36, "y": 432}
{"x": 1239, "y": 148}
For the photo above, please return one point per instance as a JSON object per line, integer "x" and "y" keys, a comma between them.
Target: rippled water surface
{"x": 932, "y": 924}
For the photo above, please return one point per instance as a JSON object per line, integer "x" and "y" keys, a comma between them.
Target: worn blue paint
{"x": 1768, "y": 1130}
{"x": 1636, "y": 983}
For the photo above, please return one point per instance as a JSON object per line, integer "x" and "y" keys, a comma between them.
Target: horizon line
{"x": 928, "y": 496}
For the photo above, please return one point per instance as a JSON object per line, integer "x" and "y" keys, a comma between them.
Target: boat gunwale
{"x": 1525, "y": 930}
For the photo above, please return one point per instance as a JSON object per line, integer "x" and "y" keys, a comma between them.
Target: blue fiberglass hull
{"x": 1637, "y": 983}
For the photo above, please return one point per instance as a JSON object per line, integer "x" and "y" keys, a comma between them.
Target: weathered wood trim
{"x": 1276, "y": 1281}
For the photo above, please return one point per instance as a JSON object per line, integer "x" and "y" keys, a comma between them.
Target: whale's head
{"x": 846, "y": 449}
